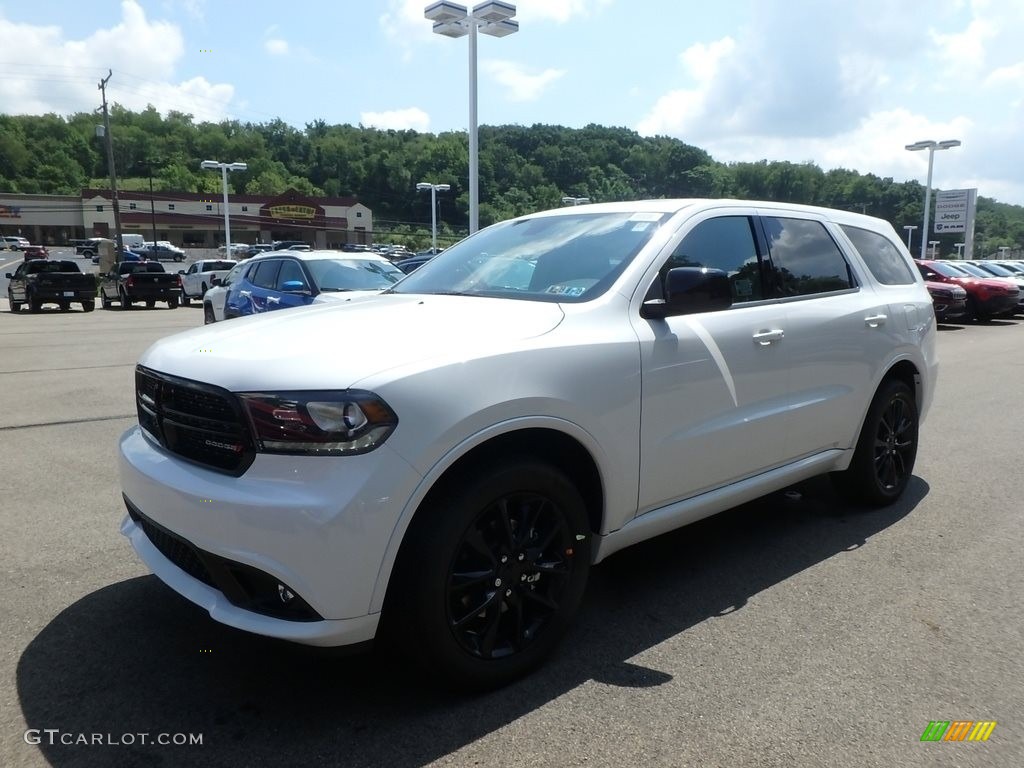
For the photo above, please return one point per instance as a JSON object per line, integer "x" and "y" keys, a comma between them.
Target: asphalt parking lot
{"x": 787, "y": 632}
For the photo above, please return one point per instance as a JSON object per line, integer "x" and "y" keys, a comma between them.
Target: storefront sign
{"x": 292, "y": 211}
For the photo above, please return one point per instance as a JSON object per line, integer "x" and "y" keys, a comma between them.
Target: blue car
{"x": 282, "y": 279}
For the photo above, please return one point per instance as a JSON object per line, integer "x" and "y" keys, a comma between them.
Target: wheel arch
{"x": 556, "y": 446}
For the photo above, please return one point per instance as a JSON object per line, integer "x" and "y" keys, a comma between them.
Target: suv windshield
{"x": 560, "y": 258}
{"x": 353, "y": 274}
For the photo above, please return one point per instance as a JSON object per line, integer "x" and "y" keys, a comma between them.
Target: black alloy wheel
{"x": 491, "y": 572}
{"x": 883, "y": 461}
{"x": 509, "y": 575}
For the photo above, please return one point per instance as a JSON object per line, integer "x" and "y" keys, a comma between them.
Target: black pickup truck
{"x": 41, "y": 281}
{"x": 139, "y": 281}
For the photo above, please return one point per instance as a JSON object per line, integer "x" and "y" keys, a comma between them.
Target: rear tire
{"x": 150, "y": 304}
{"x": 88, "y": 306}
{"x": 490, "y": 574}
{"x": 883, "y": 461}
{"x": 64, "y": 306}
{"x": 123, "y": 298}
{"x": 34, "y": 305}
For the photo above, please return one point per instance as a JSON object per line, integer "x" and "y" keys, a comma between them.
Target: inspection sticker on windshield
{"x": 566, "y": 290}
{"x": 645, "y": 216}
{"x": 640, "y": 226}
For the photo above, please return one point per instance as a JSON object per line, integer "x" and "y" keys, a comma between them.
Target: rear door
{"x": 837, "y": 330}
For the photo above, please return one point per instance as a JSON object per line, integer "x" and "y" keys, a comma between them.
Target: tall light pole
{"x": 1002, "y": 251}
{"x": 931, "y": 146}
{"x": 910, "y": 231}
{"x": 224, "y": 168}
{"x": 453, "y": 20}
{"x": 434, "y": 189}
{"x": 934, "y": 243}
{"x": 959, "y": 249}
{"x": 575, "y": 200}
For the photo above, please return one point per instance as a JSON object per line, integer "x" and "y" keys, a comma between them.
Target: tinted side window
{"x": 290, "y": 270}
{"x": 232, "y": 276}
{"x": 265, "y": 273}
{"x": 882, "y": 257}
{"x": 725, "y": 243}
{"x": 805, "y": 258}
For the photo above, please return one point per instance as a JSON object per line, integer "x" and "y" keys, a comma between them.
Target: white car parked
{"x": 441, "y": 464}
{"x": 198, "y": 278}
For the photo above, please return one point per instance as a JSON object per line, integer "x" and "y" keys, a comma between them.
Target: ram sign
{"x": 954, "y": 210}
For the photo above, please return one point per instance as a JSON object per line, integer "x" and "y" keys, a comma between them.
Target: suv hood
{"x": 335, "y": 345}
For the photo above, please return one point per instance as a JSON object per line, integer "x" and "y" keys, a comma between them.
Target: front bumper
{"x": 319, "y": 526}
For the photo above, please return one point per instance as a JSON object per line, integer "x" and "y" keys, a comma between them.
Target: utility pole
{"x": 118, "y": 240}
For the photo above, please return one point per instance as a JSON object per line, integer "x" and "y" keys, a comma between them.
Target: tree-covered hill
{"x": 522, "y": 169}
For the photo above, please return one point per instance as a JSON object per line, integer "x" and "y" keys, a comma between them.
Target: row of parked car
{"x": 974, "y": 290}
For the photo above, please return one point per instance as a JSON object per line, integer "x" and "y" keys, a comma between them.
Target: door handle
{"x": 764, "y": 338}
{"x": 874, "y": 321}
{"x": 273, "y": 299}
{"x": 247, "y": 294}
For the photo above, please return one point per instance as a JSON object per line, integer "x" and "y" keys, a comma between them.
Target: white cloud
{"x": 412, "y": 118}
{"x": 276, "y": 46}
{"x": 559, "y": 11}
{"x": 63, "y": 75}
{"x": 855, "y": 92}
{"x": 521, "y": 85}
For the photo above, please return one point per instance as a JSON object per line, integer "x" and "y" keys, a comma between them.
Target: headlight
{"x": 322, "y": 423}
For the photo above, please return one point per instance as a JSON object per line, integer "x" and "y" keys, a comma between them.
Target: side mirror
{"x": 214, "y": 282}
{"x": 294, "y": 286}
{"x": 689, "y": 290}
{"x": 181, "y": 271}
{"x": 8, "y": 275}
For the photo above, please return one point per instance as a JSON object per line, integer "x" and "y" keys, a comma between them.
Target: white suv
{"x": 441, "y": 464}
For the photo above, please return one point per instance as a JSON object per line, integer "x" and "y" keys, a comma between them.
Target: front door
{"x": 715, "y": 384}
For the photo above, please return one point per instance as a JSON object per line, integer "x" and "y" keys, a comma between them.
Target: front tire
{"x": 184, "y": 298}
{"x": 883, "y": 460}
{"x": 172, "y": 303}
{"x": 88, "y": 306}
{"x": 491, "y": 573}
{"x": 208, "y": 316}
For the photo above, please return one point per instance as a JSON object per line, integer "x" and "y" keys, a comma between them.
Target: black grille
{"x": 199, "y": 422}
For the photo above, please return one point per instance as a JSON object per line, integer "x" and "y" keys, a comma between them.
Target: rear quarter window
{"x": 883, "y": 259}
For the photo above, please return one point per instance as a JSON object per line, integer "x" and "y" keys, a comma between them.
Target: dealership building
{"x": 187, "y": 219}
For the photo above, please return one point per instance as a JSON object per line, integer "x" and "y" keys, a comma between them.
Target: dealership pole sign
{"x": 954, "y": 214}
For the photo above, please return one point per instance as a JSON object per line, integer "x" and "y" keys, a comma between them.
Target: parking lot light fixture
{"x": 434, "y": 189}
{"x": 210, "y": 165}
{"x": 959, "y": 249}
{"x": 931, "y": 146}
{"x": 492, "y": 18}
{"x": 910, "y": 231}
{"x": 575, "y": 200}
{"x": 934, "y": 244}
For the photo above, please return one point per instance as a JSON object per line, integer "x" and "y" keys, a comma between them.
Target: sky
{"x": 841, "y": 84}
